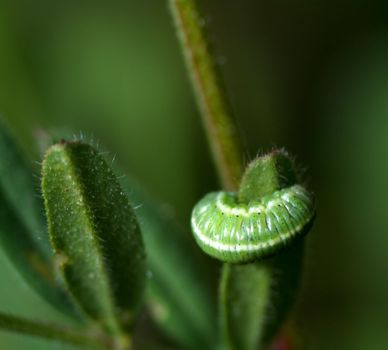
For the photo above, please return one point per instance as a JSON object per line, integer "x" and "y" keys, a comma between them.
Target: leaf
{"x": 95, "y": 235}
{"x": 179, "y": 294}
{"x": 23, "y": 234}
{"x": 255, "y": 298}
{"x": 266, "y": 175}
{"x": 244, "y": 294}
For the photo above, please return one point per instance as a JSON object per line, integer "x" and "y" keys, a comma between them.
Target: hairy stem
{"x": 220, "y": 126}
{"x": 254, "y": 298}
{"x": 59, "y": 333}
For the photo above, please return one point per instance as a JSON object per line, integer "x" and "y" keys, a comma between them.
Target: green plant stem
{"x": 59, "y": 333}
{"x": 221, "y": 128}
{"x": 225, "y": 144}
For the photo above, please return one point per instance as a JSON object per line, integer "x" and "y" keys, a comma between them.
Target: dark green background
{"x": 311, "y": 76}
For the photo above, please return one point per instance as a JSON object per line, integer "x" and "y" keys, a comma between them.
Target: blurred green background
{"x": 311, "y": 76}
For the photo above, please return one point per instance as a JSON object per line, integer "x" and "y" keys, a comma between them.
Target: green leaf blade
{"x": 245, "y": 292}
{"x": 179, "y": 294}
{"x": 267, "y": 174}
{"x": 256, "y": 298}
{"x": 18, "y": 188}
{"x": 23, "y": 235}
{"x": 95, "y": 235}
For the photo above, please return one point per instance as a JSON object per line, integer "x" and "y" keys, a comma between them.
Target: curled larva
{"x": 234, "y": 232}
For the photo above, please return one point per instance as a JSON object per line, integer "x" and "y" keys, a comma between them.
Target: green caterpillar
{"x": 234, "y": 232}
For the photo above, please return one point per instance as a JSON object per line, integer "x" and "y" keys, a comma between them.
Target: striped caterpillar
{"x": 237, "y": 232}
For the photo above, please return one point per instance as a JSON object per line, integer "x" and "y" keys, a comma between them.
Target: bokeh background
{"x": 311, "y": 76}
